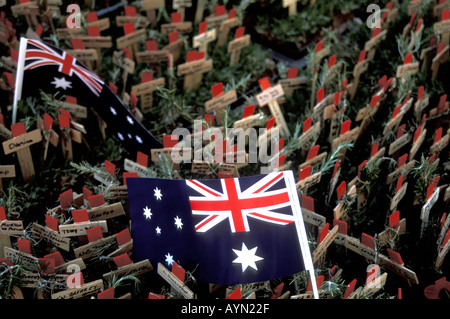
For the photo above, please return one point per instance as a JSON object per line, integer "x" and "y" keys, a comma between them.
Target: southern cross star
{"x": 157, "y": 194}
{"x": 169, "y": 259}
{"x": 247, "y": 258}
{"x": 147, "y": 213}
{"x": 178, "y": 222}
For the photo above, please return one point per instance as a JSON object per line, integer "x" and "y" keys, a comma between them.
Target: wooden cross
{"x": 234, "y": 47}
{"x": 199, "y": 11}
{"x": 371, "y": 45}
{"x": 176, "y": 24}
{"x": 125, "y": 266}
{"x": 431, "y": 198}
{"x": 439, "y": 142}
{"x": 268, "y": 96}
{"x": 139, "y": 166}
{"x": 131, "y": 16}
{"x": 439, "y": 7}
{"x": 131, "y": 38}
{"x": 93, "y": 20}
{"x": 146, "y": 88}
{"x": 442, "y": 107}
{"x": 326, "y": 238}
{"x": 193, "y": 69}
{"x": 180, "y": 6}
{"x": 310, "y": 133}
{"x": 442, "y": 54}
{"x": 292, "y": 82}
{"x": 20, "y": 144}
{"x": 313, "y": 157}
{"x": 408, "y": 67}
{"x": 93, "y": 40}
{"x": 152, "y": 55}
{"x": 345, "y": 135}
{"x": 8, "y": 228}
{"x": 176, "y": 279}
{"x": 174, "y": 47}
{"x": 292, "y": 5}
{"x": 123, "y": 60}
{"x": 442, "y": 27}
{"x": 150, "y": 6}
{"x": 248, "y": 118}
{"x": 219, "y": 101}
{"x": 225, "y": 27}
{"x": 204, "y": 37}
{"x": 359, "y": 69}
{"x": 306, "y": 180}
{"x": 86, "y": 56}
{"x": 219, "y": 16}
{"x": 401, "y": 140}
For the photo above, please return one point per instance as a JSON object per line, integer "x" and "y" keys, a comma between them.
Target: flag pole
{"x": 19, "y": 76}
{"x": 301, "y": 231}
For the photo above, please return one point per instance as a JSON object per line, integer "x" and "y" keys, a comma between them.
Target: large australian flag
{"x": 42, "y": 66}
{"x": 231, "y": 231}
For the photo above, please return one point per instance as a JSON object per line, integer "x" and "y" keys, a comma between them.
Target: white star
{"x": 178, "y": 222}
{"x": 139, "y": 139}
{"x": 113, "y": 110}
{"x": 120, "y": 136}
{"x": 147, "y": 212}
{"x": 169, "y": 259}
{"x": 246, "y": 257}
{"x": 158, "y": 230}
{"x": 157, "y": 194}
{"x": 130, "y": 120}
{"x": 129, "y": 136}
{"x": 61, "y": 83}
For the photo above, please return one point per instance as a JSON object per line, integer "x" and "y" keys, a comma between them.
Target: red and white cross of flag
{"x": 257, "y": 201}
{"x": 42, "y": 55}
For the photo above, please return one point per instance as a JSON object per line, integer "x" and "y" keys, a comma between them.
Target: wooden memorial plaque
{"x": 234, "y": 47}
{"x": 345, "y": 136}
{"x": 150, "y": 7}
{"x": 215, "y": 20}
{"x": 174, "y": 282}
{"x": 193, "y": 69}
{"x": 399, "y": 143}
{"x": 320, "y": 251}
{"x": 269, "y": 96}
{"x": 106, "y": 212}
{"x": 371, "y": 45}
{"x": 408, "y": 67}
{"x": 145, "y": 90}
{"x": 85, "y": 290}
{"x": 225, "y": 27}
{"x": 6, "y": 171}
{"x": 442, "y": 27}
{"x": 136, "y": 269}
{"x": 11, "y": 227}
{"x": 176, "y": 25}
{"x": 51, "y": 236}
{"x": 79, "y": 229}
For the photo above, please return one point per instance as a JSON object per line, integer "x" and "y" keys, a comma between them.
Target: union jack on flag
{"x": 257, "y": 201}
{"x": 39, "y": 54}
{"x": 231, "y": 231}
